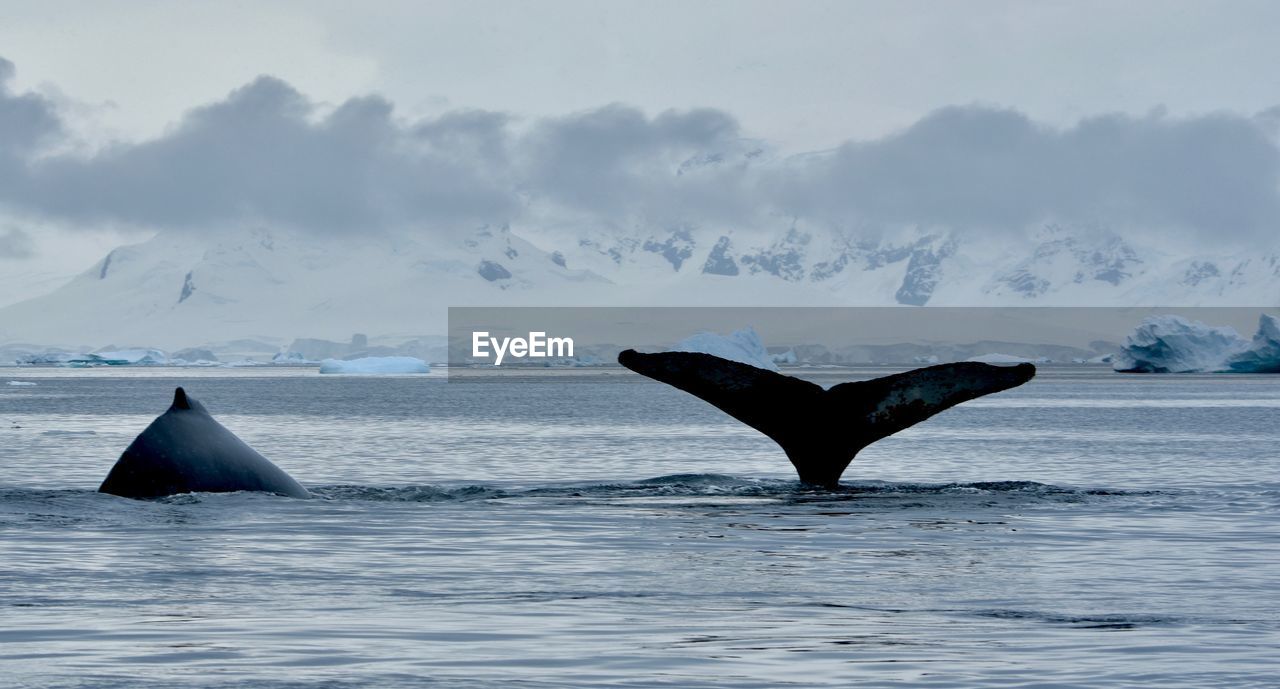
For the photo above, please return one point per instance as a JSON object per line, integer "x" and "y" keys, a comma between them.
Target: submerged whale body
{"x": 185, "y": 451}
{"x": 822, "y": 430}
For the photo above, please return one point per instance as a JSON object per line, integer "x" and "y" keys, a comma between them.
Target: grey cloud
{"x": 267, "y": 154}
{"x": 616, "y": 162}
{"x": 991, "y": 168}
{"x": 16, "y": 243}
{"x": 471, "y": 134}
{"x": 26, "y": 120}
{"x": 1269, "y": 120}
{"x": 262, "y": 155}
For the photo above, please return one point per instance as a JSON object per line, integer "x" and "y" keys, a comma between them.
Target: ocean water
{"x": 592, "y": 528}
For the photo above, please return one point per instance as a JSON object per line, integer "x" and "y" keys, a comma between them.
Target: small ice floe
{"x": 21, "y": 384}
{"x": 375, "y": 365}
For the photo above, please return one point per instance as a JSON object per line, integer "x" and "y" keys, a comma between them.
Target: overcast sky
{"x": 540, "y": 91}
{"x": 805, "y": 74}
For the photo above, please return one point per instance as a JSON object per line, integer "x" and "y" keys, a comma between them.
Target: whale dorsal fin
{"x": 822, "y": 430}
{"x": 186, "y": 450}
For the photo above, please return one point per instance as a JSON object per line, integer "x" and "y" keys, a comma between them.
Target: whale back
{"x": 186, "y": 450}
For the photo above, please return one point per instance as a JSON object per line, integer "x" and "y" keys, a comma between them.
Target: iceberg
{"x": 375, "y": 365}
{"x": 21, "y": 384}
{"x": 1263, "y": 354}
{"x": 787, "y": 357}
{"x": 743, "y": 346}
{"x": 1173, "y": 344}
{"x": 290, "y": 357}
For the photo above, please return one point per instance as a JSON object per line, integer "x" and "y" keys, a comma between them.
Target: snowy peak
{"x": 1060, "y": 261}
{"x": 176, "y": 289}
{"x": 784, "y": 259}
{"x": 259, "y": 283}
{"x": 508, "y": 261}
{"x": 803, "y": 256}
{"x": 924, "y": 270}
{"x": 668, "y": 250}
{"x": 720, "y": 261}
{"x": 676, "y": 248}
{"x": 1226, "y": 275}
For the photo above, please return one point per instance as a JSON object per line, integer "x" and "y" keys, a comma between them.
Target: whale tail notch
{"x": 821, "y": 430}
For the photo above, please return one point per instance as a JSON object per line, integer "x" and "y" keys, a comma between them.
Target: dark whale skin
{"x": 822, "y": 430}
{"x": 185, "y": 450}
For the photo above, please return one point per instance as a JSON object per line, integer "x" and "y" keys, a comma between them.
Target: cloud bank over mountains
{"x": 267, "y": 154}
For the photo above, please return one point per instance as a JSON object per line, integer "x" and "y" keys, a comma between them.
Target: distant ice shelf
{"x": 375, "y": 365}
{"x": 997, "y": 358}
{"x": 123, "y": 357}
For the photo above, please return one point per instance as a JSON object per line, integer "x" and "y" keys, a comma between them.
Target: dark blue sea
{"x": 592, "y": 528}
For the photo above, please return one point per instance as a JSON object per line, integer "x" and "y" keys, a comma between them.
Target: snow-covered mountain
{"x": 180, "y": 290}
{"x": 175, "y": 290}
{"x": 1056, "y": 267}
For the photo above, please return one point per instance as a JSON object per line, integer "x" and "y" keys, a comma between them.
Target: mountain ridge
{"x": 180, "y": 290}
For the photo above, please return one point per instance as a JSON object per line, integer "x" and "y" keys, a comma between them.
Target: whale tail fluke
{"x": 822, "y": 430}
